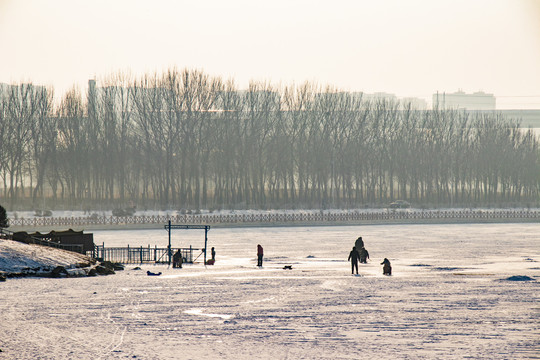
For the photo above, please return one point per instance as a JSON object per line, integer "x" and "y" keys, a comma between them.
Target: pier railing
{"x": 141, "y": 254}
{"x": 412, "y": 216}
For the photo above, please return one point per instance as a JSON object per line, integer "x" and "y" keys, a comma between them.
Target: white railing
{"x": 289, "y": 218}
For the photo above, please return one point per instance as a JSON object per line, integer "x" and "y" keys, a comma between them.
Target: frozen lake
{"x": 455, "y": 293}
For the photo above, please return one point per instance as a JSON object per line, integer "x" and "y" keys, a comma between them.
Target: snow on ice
{"x": 457, "y": 291}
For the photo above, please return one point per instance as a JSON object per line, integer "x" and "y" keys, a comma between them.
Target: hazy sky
{"x": 405, "y": 47}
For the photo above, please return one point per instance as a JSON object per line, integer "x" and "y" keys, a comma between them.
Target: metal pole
{"x": 169, "y": 247}
{"x": 205, "y": 242}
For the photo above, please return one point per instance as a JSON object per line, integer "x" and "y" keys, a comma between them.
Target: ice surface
{"x": 449, "y": 298}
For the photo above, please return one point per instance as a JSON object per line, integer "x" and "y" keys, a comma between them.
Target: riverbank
{"x": 18, "y": 260}
{"x": 252, "y": 218}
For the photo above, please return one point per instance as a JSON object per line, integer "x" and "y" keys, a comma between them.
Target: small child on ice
{"x": 387, "y": 268}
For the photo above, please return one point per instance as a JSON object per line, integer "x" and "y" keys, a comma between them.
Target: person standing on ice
{"x": 213, "y": 254}
{"x": 260, "y": 254}
{"x": 353, "y": 257}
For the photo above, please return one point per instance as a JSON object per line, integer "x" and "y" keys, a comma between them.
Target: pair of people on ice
{"x": 359, "y": 245}
{"x": 357, "y": 255}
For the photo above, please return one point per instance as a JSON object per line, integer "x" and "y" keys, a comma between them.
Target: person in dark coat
{"x": 177, "y": 259}
{"x": 353, "y": 257}
{"x": 364, "y": 255}
{"x": 359, "y": 243}
{"x": 260, "y": 254}
{"x": 387, "y": 268}
{"x": 213, "y": 254}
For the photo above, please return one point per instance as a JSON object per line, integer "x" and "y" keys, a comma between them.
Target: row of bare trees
{"x": 184, "y": 139}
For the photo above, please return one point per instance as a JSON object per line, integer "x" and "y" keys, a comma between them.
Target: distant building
{"x": 379, "y": 96}
{"x": 460, "y": 100}
{"x": 417, "y": 103}
{"x": 527, "y": 118}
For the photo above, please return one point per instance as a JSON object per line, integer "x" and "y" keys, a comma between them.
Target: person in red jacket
{"x": 260, "y": 254}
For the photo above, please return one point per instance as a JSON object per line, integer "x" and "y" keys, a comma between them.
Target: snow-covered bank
{"x": 19, "y": 259}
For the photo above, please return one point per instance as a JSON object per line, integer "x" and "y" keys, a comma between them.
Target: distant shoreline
{"x": 283, "y": 220}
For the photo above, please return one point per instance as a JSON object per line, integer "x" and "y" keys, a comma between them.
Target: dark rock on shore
{"x": 113, "y": 266}
{"x": 59, "y": 271}
{"x": 104, "y": 270}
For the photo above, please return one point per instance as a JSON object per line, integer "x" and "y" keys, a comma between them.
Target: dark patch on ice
{"x": 529, "y": 259}
{"x": 421, "y": 265}
{"x": 447, "y": 268}
{"x": 310, "y": 257}
{"x": 534, "y": 268}
{"x": 519, "y": 278}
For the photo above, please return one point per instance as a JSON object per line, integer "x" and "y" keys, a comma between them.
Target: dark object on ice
{"x": 519, "y": 278}
{"x": 210, "y": 262}
{"x": 387, "y": 268}
{"x": 353, "y": 258}
{"x": 310, "y": 257}
{"x": 177, "y": 260}
{"x": 137, "y": 268}
{"x": 287, "y": 267}
{"x": 260, "y": 254}
{"x": 213, "y": 252}
{"x": 364, "y": 255}
{"x": 446, "y": 268}
{"x": 400, "y": 204}
{"x": 2, "y": 277}
{"x": 149, "y": 273}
